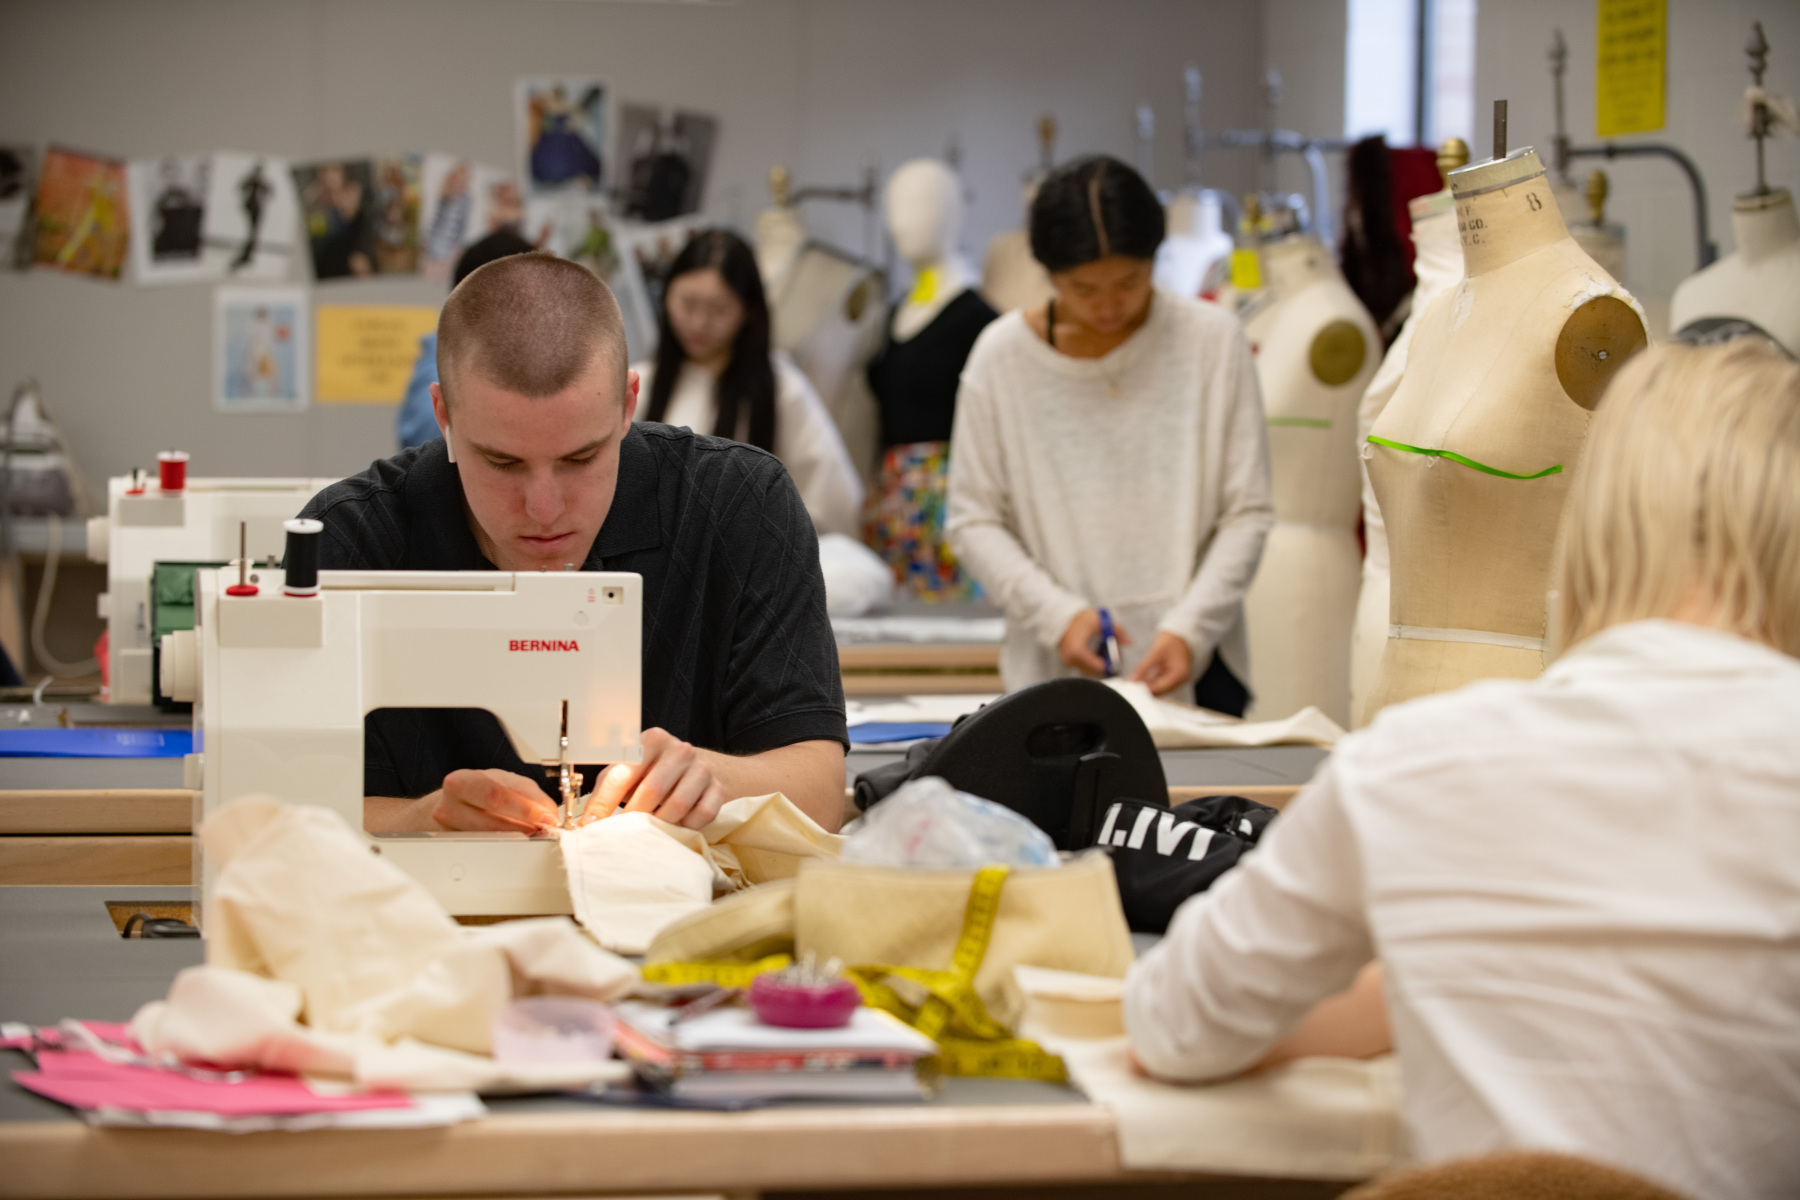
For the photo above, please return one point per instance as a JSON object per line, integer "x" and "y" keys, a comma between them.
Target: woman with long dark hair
{"x": 716, "y": 373}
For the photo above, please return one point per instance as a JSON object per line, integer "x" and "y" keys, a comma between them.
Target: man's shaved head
{"x": 531, "y": 324}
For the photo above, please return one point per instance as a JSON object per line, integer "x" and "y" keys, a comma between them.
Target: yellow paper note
{"x": 1246, "y": 270}
{"x": 1628, "y": 81}
{"x": 366, "y": 354}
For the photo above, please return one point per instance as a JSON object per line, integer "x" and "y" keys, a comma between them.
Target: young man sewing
{"x": 540, "y": 467}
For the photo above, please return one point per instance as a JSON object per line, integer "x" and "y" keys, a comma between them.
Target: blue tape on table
{"x": 96, "y": 743}
{"x": 896, "y": 731}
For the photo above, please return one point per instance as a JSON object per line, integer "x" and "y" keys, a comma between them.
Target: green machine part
{"x": 171, "y": 609}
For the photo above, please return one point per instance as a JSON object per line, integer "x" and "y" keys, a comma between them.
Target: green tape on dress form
{"x": 1457, "y": 458}
{"x": 1300, "y": 422}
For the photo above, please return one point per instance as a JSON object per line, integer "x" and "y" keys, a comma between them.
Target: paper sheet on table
{"x": 907, "y": 710}
{"x": 631, "y": 875}
{"x": 326, "y": 959}
{"x": 1184, "y": 727}
{"x": 1325, "y": 1118}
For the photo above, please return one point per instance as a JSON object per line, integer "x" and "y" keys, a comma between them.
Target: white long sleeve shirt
{"x": 1584, "y": 890}
{"x": 1138, "y": 482}
{"x": 807, "y": 440}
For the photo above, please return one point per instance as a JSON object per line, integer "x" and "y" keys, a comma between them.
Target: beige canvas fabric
{"x": 1437, "y": 267}
{"x": 1177, "y": 726}
{"x": 1504, "y": 371}
{"x": 631, "y": 875}
{"x": 1316, "y": 349}
{"x": 1326, "y": 1118}
{"x": 323, "y": 957}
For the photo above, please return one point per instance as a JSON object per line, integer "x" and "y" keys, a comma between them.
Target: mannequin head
{"x": 924, "y": 210}
{"x": 1095, "y": 226}
{"x": 1684, "y": 506}
{"x": 715, "y": 314}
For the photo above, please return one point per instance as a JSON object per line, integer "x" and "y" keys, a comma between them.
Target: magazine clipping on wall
{"x": 168, "y": 209}
{"x": 18, "y": 179}
{"x": 251, "y": 217}
{"x": 666, "y": 154}
{"x": 83, "y": 223}
{"x": 395, "y": 212}
{"x": 561, "y": 128}
{"x": 655, "y": 247}
{"x": 461, "y": 202}
{"x": 262, "y": 349}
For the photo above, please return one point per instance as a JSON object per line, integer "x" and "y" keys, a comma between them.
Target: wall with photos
{"x": 825, "y": 86}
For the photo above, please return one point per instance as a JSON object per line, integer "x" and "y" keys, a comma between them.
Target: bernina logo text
{"x": 519, "y": 645}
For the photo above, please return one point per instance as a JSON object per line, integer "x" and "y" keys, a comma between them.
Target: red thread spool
{"x": 171, "y": 470}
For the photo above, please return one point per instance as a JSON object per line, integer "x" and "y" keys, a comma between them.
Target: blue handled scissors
{"x": 1109, "y": 644}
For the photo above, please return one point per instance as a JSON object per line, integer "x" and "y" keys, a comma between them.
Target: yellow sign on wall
{"x": 1632, "y": 52}
{"x": 366, "y": 354}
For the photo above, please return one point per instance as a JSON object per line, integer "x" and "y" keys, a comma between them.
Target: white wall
{"x": 824, "y": 86}
{"x": 1706, "y": 78}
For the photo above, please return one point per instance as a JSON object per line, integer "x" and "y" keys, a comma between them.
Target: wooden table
{"x": 905, "y": 669}
{"x": 60, "y": 956}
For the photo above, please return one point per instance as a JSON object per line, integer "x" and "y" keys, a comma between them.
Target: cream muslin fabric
{"x": 1176, "y": 726}
{"x": 327, "y": 959}
{"x": 631, "y": 875}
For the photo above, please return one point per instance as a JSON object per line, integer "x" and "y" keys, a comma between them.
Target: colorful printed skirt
{"x": 906, "y": 522}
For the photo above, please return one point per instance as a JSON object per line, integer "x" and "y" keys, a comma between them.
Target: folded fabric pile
{"x": 325, "y": 959}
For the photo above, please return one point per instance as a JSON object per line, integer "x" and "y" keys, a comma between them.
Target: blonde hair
{"x": 1687, "y": 501}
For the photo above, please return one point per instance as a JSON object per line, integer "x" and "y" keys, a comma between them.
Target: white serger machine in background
{"x": 197, "y": 521}
{"x": 281, "y": 683}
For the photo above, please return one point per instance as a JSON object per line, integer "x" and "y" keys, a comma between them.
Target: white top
{"x": 806, "y": 438}
{"x": 1585, "y": 896}
{"x": 1153, "y": 502}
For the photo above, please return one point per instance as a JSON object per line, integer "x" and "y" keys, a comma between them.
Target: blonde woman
{"x": 1584, "y": 889}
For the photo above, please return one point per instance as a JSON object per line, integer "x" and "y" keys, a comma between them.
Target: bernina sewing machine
{"x": 283, "y": 670}
{"x": 166, "y": 525}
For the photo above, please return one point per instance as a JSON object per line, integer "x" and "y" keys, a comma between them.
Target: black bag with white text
{"x": 1162, "y": 855}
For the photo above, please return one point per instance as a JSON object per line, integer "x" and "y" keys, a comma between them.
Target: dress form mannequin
{"x": 1010, "y": 277}
{"x": 924, "y": 217}
{"x": 915, "y": 377}
{"x": 1760, "y": 283}
{"x": 1437, "y": 267}
{"x": 1315, "y": 351}
{"x": 1502, "y": 374}
{"x": 779, "y": 233}
{"x": 1196, "y": 241}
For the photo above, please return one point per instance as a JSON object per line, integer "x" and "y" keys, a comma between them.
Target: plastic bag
{"x": 856, "y": 579}
{"x": 928, "y": 823}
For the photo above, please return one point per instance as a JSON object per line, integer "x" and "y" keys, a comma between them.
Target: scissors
{"x": 1109, "y": 644}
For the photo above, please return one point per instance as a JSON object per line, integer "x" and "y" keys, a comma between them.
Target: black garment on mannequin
{"x": 915, "y": 381}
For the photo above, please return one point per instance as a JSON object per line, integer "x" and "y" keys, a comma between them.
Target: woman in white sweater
{"x": 1582, "y": 889}
{"x": 1109, "y": 452}
{"x": 715, "y": 373}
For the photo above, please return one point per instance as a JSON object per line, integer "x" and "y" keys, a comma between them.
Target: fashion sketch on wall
{"x": 168, "y": 209}
{"x": 461, "y": 203}
{"x": 667, "y": 154}
{"x": 251, "y": 217}
{"x": 261, "y": 349}
{"x": 561, "y": 124}
{"x": 83, "y": 223}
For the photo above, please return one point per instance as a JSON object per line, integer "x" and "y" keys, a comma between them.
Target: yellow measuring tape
{"x": 970, "y": 1042}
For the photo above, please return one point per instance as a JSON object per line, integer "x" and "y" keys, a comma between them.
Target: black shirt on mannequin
{"x": 915, "y": 381}
{"x": 738, "y": 651}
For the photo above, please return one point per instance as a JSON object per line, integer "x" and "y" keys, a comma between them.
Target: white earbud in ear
{"x": 449, "y": 446}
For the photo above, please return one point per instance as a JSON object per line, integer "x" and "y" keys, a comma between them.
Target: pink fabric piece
{"x": 84, "y": 1081}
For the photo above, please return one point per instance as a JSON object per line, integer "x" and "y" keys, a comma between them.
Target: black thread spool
{"x": 301, "y": 565}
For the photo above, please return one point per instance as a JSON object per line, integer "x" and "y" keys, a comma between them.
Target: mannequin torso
{"x": 1761, "y": 282}
{"x": 1438, "y": 267}
{"x": 1470, "y": 460}
{"x": 1315, "y": 351}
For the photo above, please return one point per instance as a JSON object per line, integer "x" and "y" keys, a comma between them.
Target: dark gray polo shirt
{"x": 738, "y": 651}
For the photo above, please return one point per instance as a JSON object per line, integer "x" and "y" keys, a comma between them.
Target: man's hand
{"x": 490, "y": 801}
{"x": 674, "y": 783}
{"x": 1167, "y": 665}
{"x": 1077, "y": 646}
